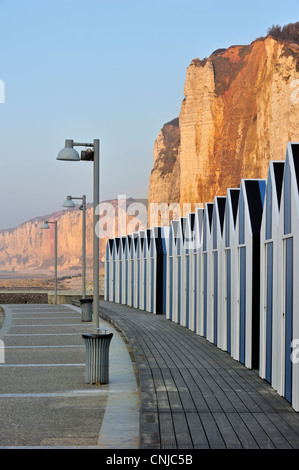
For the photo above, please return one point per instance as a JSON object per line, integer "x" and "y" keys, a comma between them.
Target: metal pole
{"x": 55, "y": 262}
{"x": 96, "y": 242}
{"x": 84, "y": 247}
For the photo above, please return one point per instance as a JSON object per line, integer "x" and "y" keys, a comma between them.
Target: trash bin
{"x": 86, "y": 309}
{"x": 97, "y": 358}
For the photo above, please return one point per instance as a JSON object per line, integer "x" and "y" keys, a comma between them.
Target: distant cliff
{"x": 28, "y": 247}
{"x": 240, "y": 110}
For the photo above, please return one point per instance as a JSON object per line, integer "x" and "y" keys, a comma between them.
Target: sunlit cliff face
{"x": 239, "y": 112}
{"x": 28, "y": 247}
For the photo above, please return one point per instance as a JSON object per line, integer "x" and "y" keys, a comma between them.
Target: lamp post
{"x": 46, "y": 226}
{"x": 68, "y": 153}
{"x": 70, "y": 204}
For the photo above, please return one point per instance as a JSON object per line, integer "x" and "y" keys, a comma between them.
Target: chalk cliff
{"x": 241, "y": 107}
{"x": 28, "y": 247}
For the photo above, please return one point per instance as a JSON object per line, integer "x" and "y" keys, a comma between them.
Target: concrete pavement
{"x": 44, "y": 400}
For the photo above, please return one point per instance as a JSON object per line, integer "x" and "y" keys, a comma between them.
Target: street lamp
{"x": 70, "y": 204}
{"x": 68, "y": 153}
{"x": 46, "y": 226}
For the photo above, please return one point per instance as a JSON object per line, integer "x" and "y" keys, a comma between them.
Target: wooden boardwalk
{"x": 195, "y": 396}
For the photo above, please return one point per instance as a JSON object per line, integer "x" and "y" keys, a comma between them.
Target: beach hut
{"x": 147, "y": 270}
{"x": 196, "y": 301}
{"x": 117, "y": 269}
{"x": 123, "y": 269}
{"x": 136, "y": 267}
{"x": 191, "y": 271}
{"x": 208, "y": 323}
{"x": 246, "y": 329}
{"x": 165, "y": 247}
{"x": 158, "y": 268}
{"x": 106, "y": 267}
{"x": 178, "y": 316}
{"x": 129, "y": 270}
{"x": 171, "y": 304}
{"x": 230, "y": 268}
{"x": 110, "y": 256}
{"x": 269, "y": 328}
{"x": 132, "y": 290}
{"x": 287, "y": 341}
{"x": 183, "y": 262}
{"x": 220, "y": 332}
{"x": 141, "y": 288}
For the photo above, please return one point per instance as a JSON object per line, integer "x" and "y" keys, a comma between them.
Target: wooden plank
{"x": 168, "y": 440}
{"x": 227, "y": 431}
{"x": 206, "y": 392}
{"x": 150, "y": 431}
{"x": 261, "y": 437}
{"x": 281, "y": 421}
{"x": 244, "y": 435}
{"x": 197, "y": 432}
{"x": 175, "y": 402}
{"x": 182, "y": 433}
{"x": 274, "y": 432}
{"x": 211, "y": 430}
{"x": 194, "y": 395}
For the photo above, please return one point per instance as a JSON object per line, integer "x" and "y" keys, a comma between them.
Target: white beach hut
{"x": 229, "y": 247}
{"x": 129, "y": 269}
{"x": 287, "y": 340}
{"x": 141, "y": 286}
{"x": 158, "y": 268}
{"x": 117, "y": 269}
{"x": 191, "y": 272}
{"x": 107, "y": 271}
{"x": 147, "y": 270}
{"x": 197, "y": 325}
{"x": 124, "y": 269}
{"x": 111, "y": 267}
{"x": 136, "y": 281}
{"x": 208, "y": 318}
{"x": 246, "y": 329}
{"x": 217, "y": 271}
{"x": 171, "y": 303}
{"x": 269, "y": 328}
{"x": 183, "y": 267}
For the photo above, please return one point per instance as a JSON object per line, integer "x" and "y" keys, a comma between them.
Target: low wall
{"x": 65, "y": 298}
{"x": 40, "y": 297}
{"x": 23, "y": 297}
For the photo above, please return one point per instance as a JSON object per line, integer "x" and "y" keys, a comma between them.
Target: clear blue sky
{"x": 113, "y": 70}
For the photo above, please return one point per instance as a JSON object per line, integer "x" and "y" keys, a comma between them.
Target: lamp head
{"x": 45, "y": 226}
{"x": 68, "y": 153}
{"x": 69, "y": 202}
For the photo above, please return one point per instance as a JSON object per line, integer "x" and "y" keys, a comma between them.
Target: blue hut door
{"x": 242, "y": 300}
{"x": 195, "y": 292}
{"x": 228, "y": 297}
{"x": 288, "y": 312}
{"x": 215, "y": 294}
{"x": 187, "y": 288}
{"x": 269, "y": 309}
{"x": 170, "y": 285}
{"x": 205, "y": 292}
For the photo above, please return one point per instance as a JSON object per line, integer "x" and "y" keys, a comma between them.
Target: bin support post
{"x": 86, "y": 309}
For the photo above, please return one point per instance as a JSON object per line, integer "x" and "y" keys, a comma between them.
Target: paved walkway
{"x": 44, "y": 400}
{"x": 188, "y": 394}
{"x": 195, "y": 396}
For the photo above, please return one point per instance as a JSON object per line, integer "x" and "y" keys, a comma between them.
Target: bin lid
{"x": 96, "y": 336}
{"x": 85, "y": 301}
